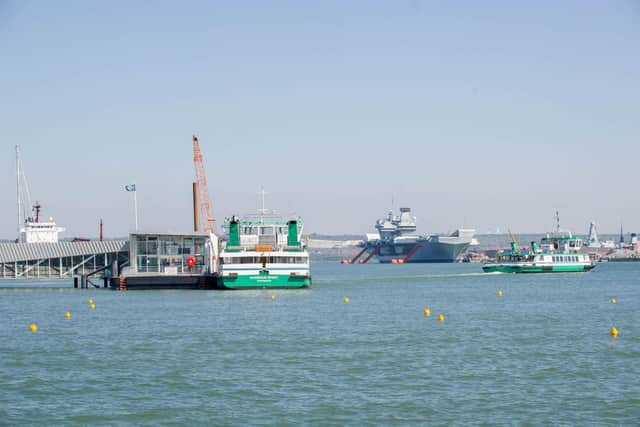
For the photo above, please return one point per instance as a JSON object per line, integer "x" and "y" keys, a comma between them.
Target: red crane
{"x": 204, "y": 205}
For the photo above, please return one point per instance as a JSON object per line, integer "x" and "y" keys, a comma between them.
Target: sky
{"x": 491, "y": 115}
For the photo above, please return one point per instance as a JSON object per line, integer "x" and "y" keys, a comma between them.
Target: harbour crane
{"x": 204, "y": 205}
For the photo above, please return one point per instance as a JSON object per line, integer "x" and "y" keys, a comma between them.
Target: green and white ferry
{"x": 263, "y": 251}
{"x": 556, "y": 254}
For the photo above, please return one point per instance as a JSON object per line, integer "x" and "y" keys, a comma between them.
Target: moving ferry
{"x": 556, "y": 254}
{"x": 264, "y": 251}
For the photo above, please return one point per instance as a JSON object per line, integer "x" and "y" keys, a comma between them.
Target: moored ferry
{"x": 264, "y": 251}
{"x": 556, "y": 254}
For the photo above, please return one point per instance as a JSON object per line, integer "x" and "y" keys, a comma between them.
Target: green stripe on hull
{"x": 536, "y": 269}
{"x": 565, "y": 268}
{"x": 511, "y": 269}
{"x": 264, "y": 281}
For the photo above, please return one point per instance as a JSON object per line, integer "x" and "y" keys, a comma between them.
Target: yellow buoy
{"x": 33, "y": 327}
{"x": 90, "y": 301}
{"x": 613, "y": 332}
{"x": 346, "y": 299}
{"x": 499, "y": 293}
{"x": 92, "y": 306}
{"x": 427, "y": 312}
{"x": 613, "y": 301}
{"x": 440, "y": 318}
{"x": 67, "y": 315}
{"x": 273, "y": 297}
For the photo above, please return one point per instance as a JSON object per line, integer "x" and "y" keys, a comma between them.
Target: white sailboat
{"x": 30, "y": 228}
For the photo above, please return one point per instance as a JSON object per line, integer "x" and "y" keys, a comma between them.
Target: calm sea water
{"x": 540, "y": 354}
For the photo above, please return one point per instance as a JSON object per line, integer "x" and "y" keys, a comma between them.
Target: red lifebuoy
{"x": 191, "y": 261}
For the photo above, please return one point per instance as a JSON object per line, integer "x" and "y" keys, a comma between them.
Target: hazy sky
{"x": 478, "y": 113}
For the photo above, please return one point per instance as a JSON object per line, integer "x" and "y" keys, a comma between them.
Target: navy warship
{"x": 397, "y": 242}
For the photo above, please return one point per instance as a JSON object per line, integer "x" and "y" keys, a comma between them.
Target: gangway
{"x": 355, "y": 258}
{"x": 373, "y": 252}
{"x": 410, "y": 254}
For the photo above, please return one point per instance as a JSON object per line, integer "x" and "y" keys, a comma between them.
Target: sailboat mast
{"x": 18, "y": 195}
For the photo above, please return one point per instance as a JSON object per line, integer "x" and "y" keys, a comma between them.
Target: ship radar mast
{"x": 558, "y": 231}
{"x": 37, "y": 208}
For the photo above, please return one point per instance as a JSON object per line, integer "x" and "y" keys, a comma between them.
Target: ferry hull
{"x": 505, "y": 268}
{"x": 261, "y": 281}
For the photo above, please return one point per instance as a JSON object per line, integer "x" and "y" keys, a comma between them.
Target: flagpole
{"x": 135, "y": 206}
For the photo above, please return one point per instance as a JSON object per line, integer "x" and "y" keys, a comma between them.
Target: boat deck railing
{"x": 264, "y": 248}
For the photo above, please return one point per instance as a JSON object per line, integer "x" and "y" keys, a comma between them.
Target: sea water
{"x": 539, "y": 354}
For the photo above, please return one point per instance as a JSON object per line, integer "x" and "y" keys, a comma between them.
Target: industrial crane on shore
{"x": 202, "y": 205}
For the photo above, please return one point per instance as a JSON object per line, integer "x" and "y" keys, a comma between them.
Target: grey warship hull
{"x": 427, "y": 251}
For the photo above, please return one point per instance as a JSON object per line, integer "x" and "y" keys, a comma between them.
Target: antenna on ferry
{"x": 557, "y": 222}
{"x": 262, "y": 211}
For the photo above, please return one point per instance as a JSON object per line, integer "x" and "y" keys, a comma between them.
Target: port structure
{"x": 202, "y": 200}
{"x": 62, "y": 260}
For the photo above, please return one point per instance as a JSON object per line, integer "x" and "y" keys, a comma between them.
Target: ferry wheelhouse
{"x": 556, "y": 254}
{"x": 264, "y": 251}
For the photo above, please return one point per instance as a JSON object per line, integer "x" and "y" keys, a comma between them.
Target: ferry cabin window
{"x": 187, "y": 247}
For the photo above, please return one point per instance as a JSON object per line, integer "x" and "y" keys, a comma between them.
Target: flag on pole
{"x": 130, "y": 187}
